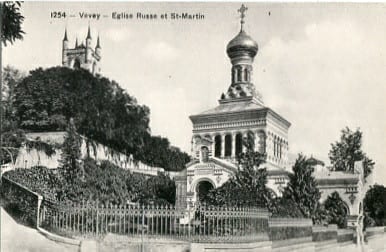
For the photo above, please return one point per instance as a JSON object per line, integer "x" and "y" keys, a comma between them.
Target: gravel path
{"x": 15, "y": 237}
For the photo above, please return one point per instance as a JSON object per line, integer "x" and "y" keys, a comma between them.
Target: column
{"x": 213, "y": 144}
{"x": 223, "y": 145}
{"x": 233, "y": 145}
{"x": 257, "y": 141}
{"x": 244, "y": 134}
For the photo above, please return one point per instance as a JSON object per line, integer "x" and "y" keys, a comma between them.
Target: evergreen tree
{"x": 347, "y": 151}
{"x": 336, "y": 210}
{"x": 302, "y": 189}
{"x": 71, "y": 157}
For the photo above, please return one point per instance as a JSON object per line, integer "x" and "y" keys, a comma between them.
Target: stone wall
{"x": 29, "y": 158}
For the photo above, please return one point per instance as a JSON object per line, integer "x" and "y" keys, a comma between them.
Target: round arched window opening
{"x": 204, "y": 154}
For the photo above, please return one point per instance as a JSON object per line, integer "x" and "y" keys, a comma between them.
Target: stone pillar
{"x": 223, "y": 145}
{"x": 244, "y": 136}
{"x": 213, "y": 137}
{"x": 233, "y": 145}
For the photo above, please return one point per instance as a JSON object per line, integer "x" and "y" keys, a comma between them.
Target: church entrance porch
{"x": 202, "y": 190}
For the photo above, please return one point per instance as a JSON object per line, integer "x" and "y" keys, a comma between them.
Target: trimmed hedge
{"x": 284, "y": 233}
{"x": 324, "y": 236}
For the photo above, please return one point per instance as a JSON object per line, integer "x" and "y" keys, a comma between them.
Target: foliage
{"x": 11, "y": 22}
{"x": 71, "y": 168}
{"x": 347, "y": 151}
{"x": 302, "y": 189}
{"x": 158, "y": 190}
{"x": 248, "y": 185}
{"x": 336, "y": 210}
{"x": 375, "y": 204}
{"x": 12, "y": 141}
{"x": 38, "y": 179}
{"x": 11, "y": 78}
{"x": 284, "y": 207}
{"x": 102, "y": 111}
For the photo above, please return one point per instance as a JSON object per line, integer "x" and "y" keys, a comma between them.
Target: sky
{"x": 322, "y": 66}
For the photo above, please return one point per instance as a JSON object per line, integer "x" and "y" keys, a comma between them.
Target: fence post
{"x": 40, "y": 199}
{"x": 142, "y": 233}
{"x": 97, "y": 217}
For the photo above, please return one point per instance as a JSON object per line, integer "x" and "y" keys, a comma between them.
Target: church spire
{"x": 65, "y": 35}
{"x": 88, "y": 33}
{"x": 98, "y": 43}
{"x": 76, "y": 42}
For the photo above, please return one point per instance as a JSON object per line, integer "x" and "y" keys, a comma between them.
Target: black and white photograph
{"x": 192, "y": 126}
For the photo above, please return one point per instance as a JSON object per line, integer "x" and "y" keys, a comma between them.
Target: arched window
{"x": 239, "y": 143}
{"x": 246, "y": 74}
{"x": 228, "y": 145}
{"x": 204, "y": 154}
{"x": 239, "y": 74}
{"x": 77, "y": 63}
{"x": 217, "y": 147}
{"x": 262, "y": 137}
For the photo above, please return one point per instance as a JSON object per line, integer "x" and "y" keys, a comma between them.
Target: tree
{"x": 71, "y": 168}
{"x": 336, "y": 210}
{"x": 347, "y": 151}
{"x": 248, "y": 185}
{"x": 375, "y": 204}
{"x": 302, "y": 189}
{"x": 10, "y": 30}
{"x": 46, "y": 99}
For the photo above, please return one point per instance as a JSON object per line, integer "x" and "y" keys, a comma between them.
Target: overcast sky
{"x": 321, "y": 66}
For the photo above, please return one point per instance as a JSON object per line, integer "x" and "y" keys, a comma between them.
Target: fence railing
{"x": 167, "y": 222}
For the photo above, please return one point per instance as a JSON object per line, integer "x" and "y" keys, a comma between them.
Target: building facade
{"x": 82, "y": 55}
{"x": 218, "y": 133}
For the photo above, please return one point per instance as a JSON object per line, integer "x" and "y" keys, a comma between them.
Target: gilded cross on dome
{"x": 242, "y": 11}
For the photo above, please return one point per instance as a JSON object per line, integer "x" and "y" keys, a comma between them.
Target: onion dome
{"x": 242, "y": 44}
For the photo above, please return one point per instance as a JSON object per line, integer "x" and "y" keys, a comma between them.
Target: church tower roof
{"x": 98, "y": 43}
{"x": 88, "y": 33}
{"x": 242, "y": 50}
{"x": 65, "y": 35}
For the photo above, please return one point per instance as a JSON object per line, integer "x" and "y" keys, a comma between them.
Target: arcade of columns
{"x": 228, "y": 145}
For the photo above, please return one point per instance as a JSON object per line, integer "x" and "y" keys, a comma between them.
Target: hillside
{"x": 46, "y": 99}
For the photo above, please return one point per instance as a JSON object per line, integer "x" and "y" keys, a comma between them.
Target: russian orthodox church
{"x": 218, "y": 133}
{"x": 82, "y": 55}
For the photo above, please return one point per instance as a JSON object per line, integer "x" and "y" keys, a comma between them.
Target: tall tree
{"x": 71, "y": 158}
{"x": 10, "y": 30}
{"x": 302, "y": 188}
{"x": 347, "y": 151}
{"x": 375, "y": 204}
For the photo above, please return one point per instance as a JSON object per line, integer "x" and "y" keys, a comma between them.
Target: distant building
{"x": 82, "y": 55}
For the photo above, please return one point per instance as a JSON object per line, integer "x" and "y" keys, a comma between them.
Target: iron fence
{"x": 199, "y": 224}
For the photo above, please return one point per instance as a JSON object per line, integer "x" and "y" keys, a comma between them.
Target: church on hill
{"x": 82, "y": 55}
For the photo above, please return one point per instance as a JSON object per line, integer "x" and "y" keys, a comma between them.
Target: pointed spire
{"x": 88, "y": 33}
{"x": 98, "y": 43}
{"x": 65, "y": 35}
{"x": 242, "y": 11}
{"x": 76, "y": 42}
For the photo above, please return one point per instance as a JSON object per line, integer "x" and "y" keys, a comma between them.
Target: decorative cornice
{"x": 249, "y": 114}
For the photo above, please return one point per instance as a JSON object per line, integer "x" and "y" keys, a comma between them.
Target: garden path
{"x": 16, "y": 237}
